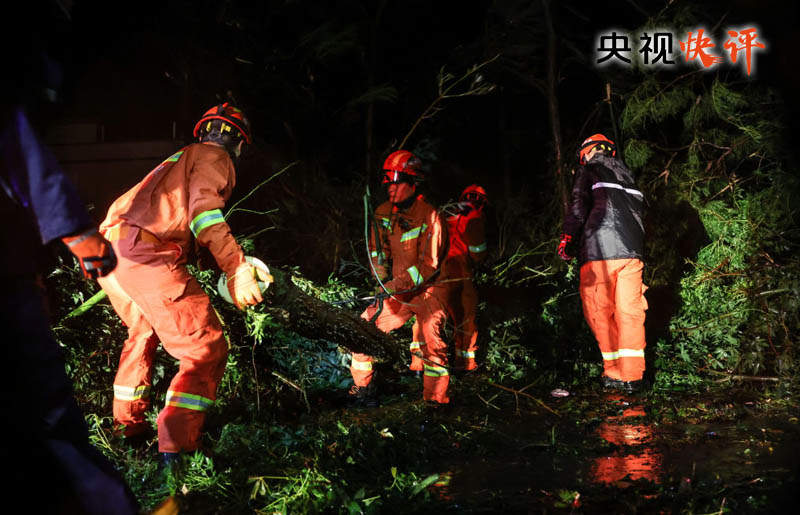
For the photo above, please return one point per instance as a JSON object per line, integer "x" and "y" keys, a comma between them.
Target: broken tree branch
{"x": 447, "y": 83}
{"x": 519, "y": 392}
{"x": 733, "y": 377}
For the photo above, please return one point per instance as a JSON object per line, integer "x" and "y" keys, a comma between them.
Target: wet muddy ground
{"x": 501, "y": 451}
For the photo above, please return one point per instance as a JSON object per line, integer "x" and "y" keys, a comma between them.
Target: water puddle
{"x": 634, "y": 458}
{"x": 622, "y": 454}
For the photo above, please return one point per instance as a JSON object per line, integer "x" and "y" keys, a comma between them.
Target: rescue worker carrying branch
{"x": 151, "y": 228}
{"x": 605, "y": 219}
{"x": 410, "y": 233}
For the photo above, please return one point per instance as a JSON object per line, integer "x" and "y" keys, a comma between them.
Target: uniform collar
{"x": 406, "y": 204}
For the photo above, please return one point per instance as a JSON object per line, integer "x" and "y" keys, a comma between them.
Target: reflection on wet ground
{"x": 607, "y": 453}
{"x": 634, "y": 458}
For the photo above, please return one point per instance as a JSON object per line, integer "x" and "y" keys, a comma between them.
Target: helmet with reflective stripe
{"x": 475, "y": 195}
{"x": 402, "y": 166}
{"x": 595, "y": 140}
{"x": 224, "y": 121}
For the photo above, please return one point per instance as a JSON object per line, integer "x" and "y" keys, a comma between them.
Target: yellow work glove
{"x": 244, "y": 287}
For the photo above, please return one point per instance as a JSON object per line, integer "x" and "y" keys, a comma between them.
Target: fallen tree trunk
{"x": 313, "y": 318}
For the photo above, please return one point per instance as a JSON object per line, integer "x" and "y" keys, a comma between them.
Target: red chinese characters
{"x": 693, "y": 48}
{"x": 747, "y": 40}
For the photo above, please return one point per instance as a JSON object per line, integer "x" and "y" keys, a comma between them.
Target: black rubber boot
{"x": 169, "y": 458}
{"x": 634, "y": 386}
{"x": 610, "y": 383}
{"x": 363, "y": 396}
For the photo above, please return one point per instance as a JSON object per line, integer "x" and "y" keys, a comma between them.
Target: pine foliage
{"x": 715, "y": 146}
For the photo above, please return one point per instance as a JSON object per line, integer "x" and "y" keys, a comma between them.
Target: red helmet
{"x": 475, "y": 195}
{"x": 400, "y": 166}
{"x": 592, "y": 141}
{"x": 232, "y": 122}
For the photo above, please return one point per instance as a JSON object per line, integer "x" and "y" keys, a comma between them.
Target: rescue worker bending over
{"x": 467, "y": 231}
{"x": 411, "y": 235}
{"x": 152, "y": 228}
{"x": 605, "y": 220}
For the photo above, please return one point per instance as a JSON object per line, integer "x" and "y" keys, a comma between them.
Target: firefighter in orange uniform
{"x": 467, "y": 233}
{"x": 152, "y": 228}
{"x": 410, "y": 233}
{"x": 605, "y": 219}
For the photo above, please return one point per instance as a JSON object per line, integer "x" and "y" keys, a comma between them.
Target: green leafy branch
{"x": 235, "y": 207}
{"x": 447, "y": 84}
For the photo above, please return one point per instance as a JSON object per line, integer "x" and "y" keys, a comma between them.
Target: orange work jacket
{"x": 180, "y": 199}
{"x": 467, "y": 233}
{"x": 414, "y": 240}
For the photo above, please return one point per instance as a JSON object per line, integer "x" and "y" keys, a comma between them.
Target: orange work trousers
{"x": 159, "y": 300}
{"x": 614, "y": 307}
{"x": 431, "y": 316}
{"x": 463, "y": 307}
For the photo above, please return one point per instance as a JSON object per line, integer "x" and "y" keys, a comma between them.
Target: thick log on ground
{"x": 313, "y": 318}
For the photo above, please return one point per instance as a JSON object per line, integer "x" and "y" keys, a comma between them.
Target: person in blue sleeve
{"x": 53, "y": 467}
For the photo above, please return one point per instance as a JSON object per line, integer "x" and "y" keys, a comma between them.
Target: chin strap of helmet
{"x": 224, "y": 140}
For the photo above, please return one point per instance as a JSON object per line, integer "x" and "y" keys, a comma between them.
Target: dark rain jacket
{"x": 38, "y": 203}
{"x": 605, "y": 212}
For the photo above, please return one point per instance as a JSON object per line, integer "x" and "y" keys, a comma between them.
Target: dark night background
{"x": 333, "y": 87}
{"x": 299, "y": 68}
{"x": 295, "y": 67}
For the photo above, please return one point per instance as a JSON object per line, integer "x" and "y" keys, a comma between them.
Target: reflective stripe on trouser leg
{"x": 134, "y": 373}
{"x": 183, "y": 412}
{"x": 432, "y": 316}
{"x": 416, "y": 347}
{"x": 468, "y": 359}
{"x": 597, "y": 296}
{"x": 361, "y": 369}
{"x": 131, "y": 393}
{"x": 188, "y": 401}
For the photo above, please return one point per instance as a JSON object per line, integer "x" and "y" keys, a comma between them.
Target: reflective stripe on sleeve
{"x": 131, "y": 393}
{"x": 415, "y": 275}
{"x": 623, "y": 353}
{"x": 467, "y": 354}
{"x": 435, "y": 370}
{"x": 188, "y": 401}
{"x": 475, "y": 249}
{"x": 416, "y": 345}
{"x": 174, "y": 157}
{"x": 361, "y": 365}
{"x": 374, "y": 253}
{"x": 616, "y": 186}
{"x": 206, "y": 219}
{"x": 413, "y": 233}
{"x": 83, "y": 237}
